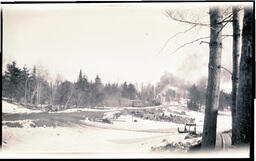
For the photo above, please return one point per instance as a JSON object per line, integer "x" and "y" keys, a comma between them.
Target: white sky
{"x": 120, "y": 42}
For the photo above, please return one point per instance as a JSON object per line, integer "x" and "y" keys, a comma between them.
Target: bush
{"x": 192, "y": 106}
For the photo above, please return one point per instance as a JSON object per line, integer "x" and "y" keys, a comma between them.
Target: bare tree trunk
{"x": 212, "y": 95}
{"x": 38, "y": 87}
{"x": 33, "y": 96}
{"x": 69, "y": 98}
{"x": 39, "y": 92}
{"x": 51, "y": 97}
{"x": 244, "y": 99}
{"x": 236, "y": 53}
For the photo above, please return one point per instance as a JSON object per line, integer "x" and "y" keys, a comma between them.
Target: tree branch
{"x": 191, "y": 42}
{"x": 225, "y": 36}
{"x": 204, "y": 42}
{"x": 228, "y": 20}
{"x": 225, "y": 69}
{"x": 167, "y": 41}
{"x": 169, "y": 13}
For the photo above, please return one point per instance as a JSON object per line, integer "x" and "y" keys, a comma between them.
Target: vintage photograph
{"x": 128, "y": 80}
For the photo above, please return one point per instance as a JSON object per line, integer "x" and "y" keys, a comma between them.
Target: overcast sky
{"x": 120, "y": 42}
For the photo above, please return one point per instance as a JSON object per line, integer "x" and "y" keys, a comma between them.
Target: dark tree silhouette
{"x": 244, "y": 99}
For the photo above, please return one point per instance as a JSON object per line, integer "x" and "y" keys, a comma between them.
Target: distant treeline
{"x": 33, "y": 87}
{"x": 27, "y": 87}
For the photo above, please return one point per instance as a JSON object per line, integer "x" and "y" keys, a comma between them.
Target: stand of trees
{"x": 21, "y": 85}
{"x": 197, "y": 98}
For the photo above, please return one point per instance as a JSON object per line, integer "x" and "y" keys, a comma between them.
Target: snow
{"x": 84, "y": 109}
{"x": 124, "y": 136}
{"x": 126, "y": 122}
{"x": 75, "y": 140}
{"x": 25, "y": 123}
{"x": 11, "y": 108}
{"x": 93, "y": 142}
{"x": 224, "y": 119}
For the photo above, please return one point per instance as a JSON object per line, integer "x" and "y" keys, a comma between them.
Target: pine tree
{"x": 124, "y": 90}
{"x": 80, "y": 81}
{"x": 131, "y": 91}
{"x": 98, "y": 91}
{"x": 24, "y": 77}
{"x": 12, "y": 79}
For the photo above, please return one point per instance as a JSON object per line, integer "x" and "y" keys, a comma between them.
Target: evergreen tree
{"x": 80, "y": 81}
{"x": 23, "y": 81}
{"x": 194, "y": 96}
{"x": 131, "y": 91}
{"x": 124, "y": 90}
{"x": 11, "y": 82}
{"x": 98, "y": 91}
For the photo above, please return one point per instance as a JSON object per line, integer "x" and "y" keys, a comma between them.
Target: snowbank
{"x": 11, "y": 108}
{"x": 22, "y": 123}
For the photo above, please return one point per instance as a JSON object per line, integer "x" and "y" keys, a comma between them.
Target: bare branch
{"x": 228, "y": 20}
{"x": 206, "y": 42}
{"x": 224, "y": 19}
{"x": 223, "y": 27}
{"x": 225, "y": 69}
{"x": 228, "y": 10}
{"x": 191, "y": 42}
{"x": 230, "y": 15}
{"x": 167, "y": 41}
{"x": 169, "y": 13}
{"x": 227, "y": 35}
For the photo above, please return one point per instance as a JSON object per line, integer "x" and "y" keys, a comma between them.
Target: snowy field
{"x": 85, "y": 138}
{"x": 126, "y": 122}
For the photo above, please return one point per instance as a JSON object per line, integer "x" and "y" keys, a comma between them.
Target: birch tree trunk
{"x": 244, "y": 99}
{"x": 213, "y": 85}
{"x": 236, "y": 54}
{"x": 37, "y": 92}
{"x": 69, "y": 98}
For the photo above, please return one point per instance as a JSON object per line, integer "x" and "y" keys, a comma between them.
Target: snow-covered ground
{"x": 11, "y": 108}
{"x": 224, "y": 119}
{"x": 105, "y": 109}
{"x": 90, "y": 142}
{"x": 86, "y": 109}
{"x": 76, "y": 140}
{"x": 124, "y": 136}
{"x": 127, "y": 122}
